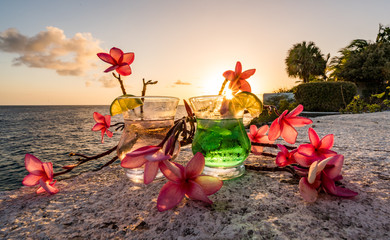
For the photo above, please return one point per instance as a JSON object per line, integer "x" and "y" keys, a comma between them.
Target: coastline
{"x": 258, "y": 205}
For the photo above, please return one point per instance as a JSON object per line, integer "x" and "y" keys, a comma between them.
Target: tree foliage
{"x": 306, "y": 62}
{"x": 364, "y": 62}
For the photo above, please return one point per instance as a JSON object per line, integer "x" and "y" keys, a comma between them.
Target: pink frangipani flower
{"x": 258, "y": 135}
{"x": 238, "y": 78}
{"x": 39, "y": 174}
{"x": 150, "y": 156}
{"x": 186, "y": 181}
{"x": 322, "y": 175}
{"x": 315, "y": 150}
{"x": 120, "y": 61}
{"x": 285, "y": 123}
{"x": 284, "y": 157}
{"x": 102, "y": 124}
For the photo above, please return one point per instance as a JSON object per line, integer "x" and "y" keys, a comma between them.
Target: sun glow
{"x": 229, "y": 94}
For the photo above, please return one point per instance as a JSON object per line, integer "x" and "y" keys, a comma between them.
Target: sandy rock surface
{"x": 259, "y": 205}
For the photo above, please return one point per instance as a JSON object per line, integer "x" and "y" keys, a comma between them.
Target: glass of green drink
{"x": 220, "y": 136}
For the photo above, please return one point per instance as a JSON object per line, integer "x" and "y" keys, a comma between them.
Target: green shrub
{"x": 325, "y": 96}
{"x": 357, "y": 105}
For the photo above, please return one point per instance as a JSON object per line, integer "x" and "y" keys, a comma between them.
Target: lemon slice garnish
{"x": 122, "y": 104}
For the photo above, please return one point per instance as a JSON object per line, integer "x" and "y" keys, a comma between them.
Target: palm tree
{"x": 337, "y": 63}
{"x": 306, "y": 61}
{"x": 356, "y": 46}
{"x": 383, "y": 34}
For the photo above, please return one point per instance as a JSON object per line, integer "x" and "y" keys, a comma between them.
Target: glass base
{"x": 137, "y": 174}
{"x": 225, "y": 173}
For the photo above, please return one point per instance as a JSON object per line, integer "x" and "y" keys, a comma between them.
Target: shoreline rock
{"x": 258, "y": 205}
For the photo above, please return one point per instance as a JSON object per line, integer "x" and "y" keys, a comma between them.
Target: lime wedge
{"x": 246, "y": 101}
{"x": 122, "y": 104}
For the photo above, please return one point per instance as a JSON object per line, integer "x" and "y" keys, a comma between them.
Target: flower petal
{"x": 295, "y": 112}
{"x": 311, "y": 177}
{"x": 299, "y": 121}
{"x": 245, "y": 86}
{"x": 288, "y": 133}
{"x": 31, "y": 180}
{"x": 234, "y": 85}
{"x": 33, "y": 164}
{"x": 128, "y": 58}
{"x": 195, "y": 191}
{"x": 238, "y": 68}
{"x": 48, "y": 167}
{"x": 109, "y": 133}
{"x": 103, "y": 131}
{"x": 313, "y": 137}
{"x": 248, "y": 73}
{"x": 303, "y": 160}
{"x": 274, "y": 130}
{"x": 195, "y": 166}
{"x": 308, "y": 193}
{"x": 330, "y": 187}
{"x": 133, "y": 162}
{"x": 282, "y": 148}
{"x": 106, "y": 57}
{"x": 143, "y": 151}
{"x": 170, "y": 195}
{"x": 337, "y": 162}
{"x": 327, "y": 142}
{"x": 322, "y": 164}
{"x": 99, "y": 118}
{"x": 325, "y": 153}
{"x": 49, "y": 188}
{"x": 124, "y": 70}
{"x": 116, "y": 54}
{"x": 253, "y": 131}
{"x": 98, "y": 127}
{"x": 172, "y": 171}
{"x": 107, "y": 120}
{"x": 345, "y": 192}
{"x": 157, "y": 156}
{"x": 229, "y": 75}
{"x": 111, "y": 68}
{"x": 307, "y": 150}
{"x": 257, "y": 150}
{"x": 150, "y": 172}
{"x": 263, "y": 130}
{"x": 209, "y": 184}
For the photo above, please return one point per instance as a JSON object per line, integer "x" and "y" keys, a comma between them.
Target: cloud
{"x": 51, "y": 49}
{"x": 108, "y": 81}
{"x": 88, "y": 83}
{"x": 179, "y": 82}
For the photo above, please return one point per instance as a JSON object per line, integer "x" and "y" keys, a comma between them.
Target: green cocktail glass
{"x": 222, "y": 139}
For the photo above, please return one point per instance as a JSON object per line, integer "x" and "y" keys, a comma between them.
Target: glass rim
{"x": 151, "y": 97}
{"x": 206, "y": 96}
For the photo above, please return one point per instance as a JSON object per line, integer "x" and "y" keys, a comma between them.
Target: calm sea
{"x": 50, "y": 133}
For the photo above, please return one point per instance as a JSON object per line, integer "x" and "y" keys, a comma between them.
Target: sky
{"x": 48, "y": 48}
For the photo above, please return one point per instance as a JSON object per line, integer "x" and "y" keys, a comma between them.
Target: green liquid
{"x": 223, "y": 142}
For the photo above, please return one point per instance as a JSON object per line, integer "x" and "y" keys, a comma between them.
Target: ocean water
{"x": 50, "y": 133}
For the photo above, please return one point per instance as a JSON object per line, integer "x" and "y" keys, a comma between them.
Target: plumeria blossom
{"x": 284, "y": 157}
{"x": 317, "y": 149}
{"x": 102, "y": 124}
{"x": 238, "y": 78}
{"x": 322, "y": 175}
{"x": 186, "y": 181}
{"x": 39, "y": 174}
{"x": 120, "y": 61}
{"x": 285, "y": 123}
{"x": 258, "y": 135}
{"x": 151, "y": 156}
